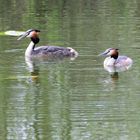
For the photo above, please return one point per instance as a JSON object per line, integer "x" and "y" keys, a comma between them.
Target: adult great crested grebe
{"x": 116, "y": 62}
{"x": 42, "y": 51}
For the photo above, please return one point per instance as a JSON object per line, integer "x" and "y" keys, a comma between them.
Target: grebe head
{"x": 112, "y": 52}
{"x": 31, "y": 33}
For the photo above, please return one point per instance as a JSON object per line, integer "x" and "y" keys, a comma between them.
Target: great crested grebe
{"x": 52, "y": 51}
{"x": 115, "y": 62}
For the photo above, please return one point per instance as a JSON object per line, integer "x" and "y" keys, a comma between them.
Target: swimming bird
{"x": 115, "y": 62}
{"x": 42, "y": 51}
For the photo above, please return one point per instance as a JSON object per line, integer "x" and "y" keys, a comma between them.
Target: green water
{"x": 70, "y": 99}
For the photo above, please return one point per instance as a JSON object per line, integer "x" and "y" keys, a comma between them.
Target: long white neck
{"x": 29, "y": 49}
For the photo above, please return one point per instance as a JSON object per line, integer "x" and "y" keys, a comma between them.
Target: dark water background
{"x": 70, "y": 99}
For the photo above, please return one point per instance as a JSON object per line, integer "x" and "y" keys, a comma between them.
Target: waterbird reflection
{"x": 33, "y": 64}
{"x": 114, "y": 76}
{"x": 33, "y": 69}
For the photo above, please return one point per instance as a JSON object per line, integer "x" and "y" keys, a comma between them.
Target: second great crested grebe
{"x": 114, "y": 60}
{"x": 52, "y": 51}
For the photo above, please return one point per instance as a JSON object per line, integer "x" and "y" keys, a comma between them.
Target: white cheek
{"x": 30, "y": 35}
{"x": 110, "y": 53}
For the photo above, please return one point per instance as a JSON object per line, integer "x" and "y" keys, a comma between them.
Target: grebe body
{"x": 42, "y": 51}
{"x": 115, "y": 62}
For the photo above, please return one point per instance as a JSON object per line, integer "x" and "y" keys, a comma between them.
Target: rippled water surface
{"x": 70, "y": 99}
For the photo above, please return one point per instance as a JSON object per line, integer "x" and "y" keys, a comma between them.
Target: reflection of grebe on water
{"x": 33, "y": 69}
{"x": 33, "y": 65}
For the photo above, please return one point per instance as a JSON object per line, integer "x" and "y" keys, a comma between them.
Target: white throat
{"x": 29, "y": 49}
{"x": 109, "y": 61}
